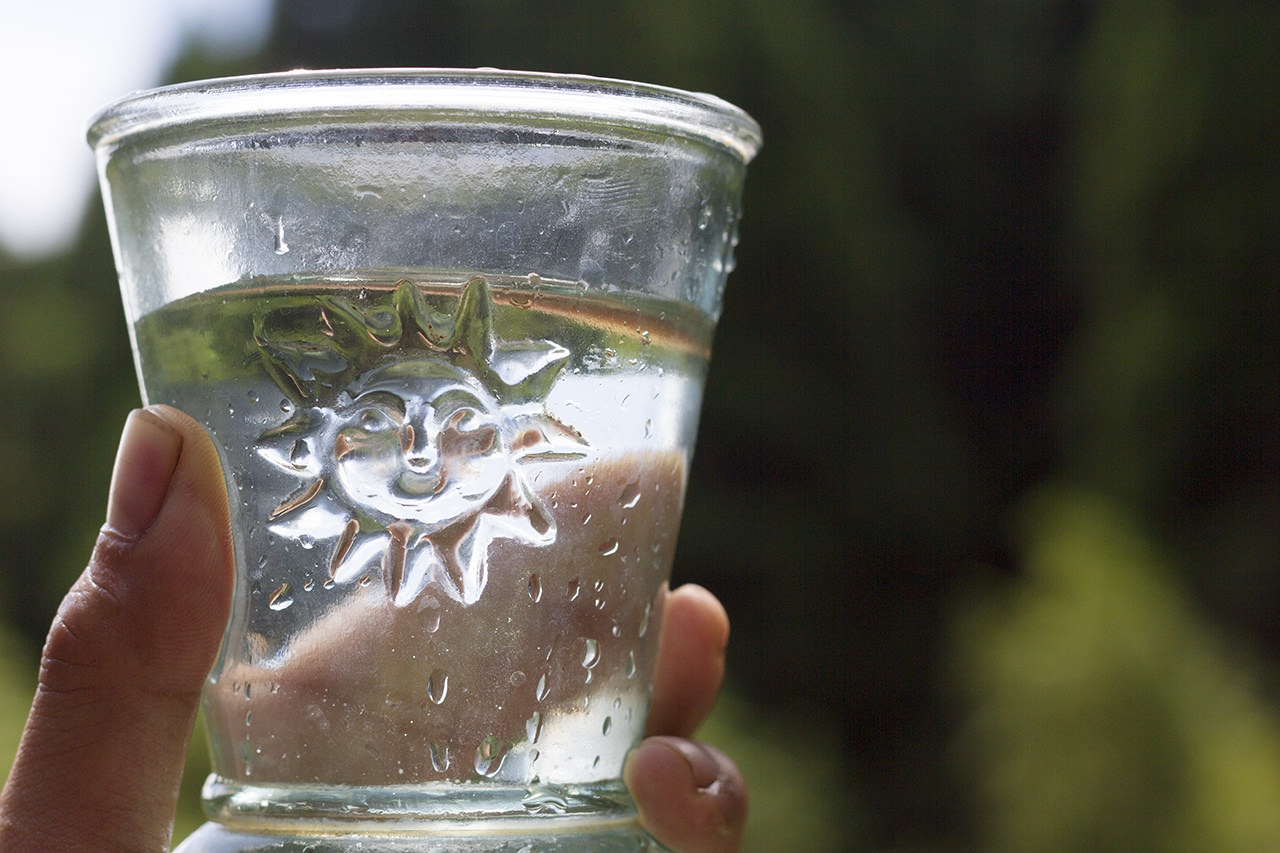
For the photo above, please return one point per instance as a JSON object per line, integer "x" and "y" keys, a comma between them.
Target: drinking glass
{"x": 448, "y": 330}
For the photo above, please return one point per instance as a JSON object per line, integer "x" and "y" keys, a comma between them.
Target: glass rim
{"x": 440, "y": 93}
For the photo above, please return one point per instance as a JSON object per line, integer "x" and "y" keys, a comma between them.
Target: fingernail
{"x": 145, "y": 463}
{"x": 703, "y": 767}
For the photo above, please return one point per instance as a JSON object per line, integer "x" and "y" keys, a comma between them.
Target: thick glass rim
{"x": 429, "y": 93}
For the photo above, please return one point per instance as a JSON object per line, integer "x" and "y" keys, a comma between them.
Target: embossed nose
{"x": 420, "y": 451}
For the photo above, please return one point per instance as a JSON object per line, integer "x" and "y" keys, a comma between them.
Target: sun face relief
{"x": 413, "y": 436}
{"x": 422, "y": 442}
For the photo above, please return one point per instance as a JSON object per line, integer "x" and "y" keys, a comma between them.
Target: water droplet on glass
{"x": 281, "y": 246}
{"x": 631, "y": 665}
{"x": 437, "y": 686}
{"x": 309, "y": 585}
{"x": 535, "y": 587}
{"x": 533, "y": 726}
{"x": 540, "y": 692}
{"x": 543, "y": 799}
{"x": 644, "y": 621}
{"x": 608, "y": 726}
{"x": 608, "y": 547}
{"x": 630, "y": 496}
{"x": 253, "y": 396}
{"x": 489, "y": 756}
{"x": 329, "y": 583}
{"x": 280, "y": 599}
{"x": 439, "y": 757}
{"x": 590, "y": 652}
{"x": 574, "y": 589}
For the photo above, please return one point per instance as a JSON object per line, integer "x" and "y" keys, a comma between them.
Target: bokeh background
{"x": 989, "y": 470}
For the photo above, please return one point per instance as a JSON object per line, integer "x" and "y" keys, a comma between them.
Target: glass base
{"x": 441, "y": 818}
{"x": 550, "y": 837}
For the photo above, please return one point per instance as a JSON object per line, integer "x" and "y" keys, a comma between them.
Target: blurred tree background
{"x": 989, "y": 470}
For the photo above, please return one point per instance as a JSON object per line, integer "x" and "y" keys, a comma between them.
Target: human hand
{"x": 101, "y": 756}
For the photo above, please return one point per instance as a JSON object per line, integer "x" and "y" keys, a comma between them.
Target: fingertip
{"x": 184, "y": 568}
{"x": 200, "y": 460}
{"x": 176, "y": 418}
{"x": 145, "y": 462}
{"x": 699, "y": 606}
{"x": 691, "y": 661}
{"x": 158, "y": 585}
{"x": 690, "y": 796}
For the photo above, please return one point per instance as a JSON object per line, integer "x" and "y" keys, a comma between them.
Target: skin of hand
{"x": 101, "y": 757}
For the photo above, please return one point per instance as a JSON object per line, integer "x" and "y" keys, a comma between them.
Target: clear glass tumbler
{"x": 449, "y": 331}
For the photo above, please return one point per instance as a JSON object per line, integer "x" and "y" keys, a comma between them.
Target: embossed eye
{"x": 380, "y": 412}
{"x": 467, "y": 433}
{"x": 461, "y": 410}
{"x": 374, "y": 420}
{"x": 463, "y": 420}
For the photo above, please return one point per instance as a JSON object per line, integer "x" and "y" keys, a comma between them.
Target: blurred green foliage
{"x": 989, "y": 472}
{"x": 1106, "y": 713}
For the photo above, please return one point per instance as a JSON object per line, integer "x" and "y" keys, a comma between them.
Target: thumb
{"x": 102, "y": 753}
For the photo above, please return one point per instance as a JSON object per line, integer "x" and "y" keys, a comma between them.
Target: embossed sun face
{"x": 412, "y": 467}
{"x": 422, "y": 443}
